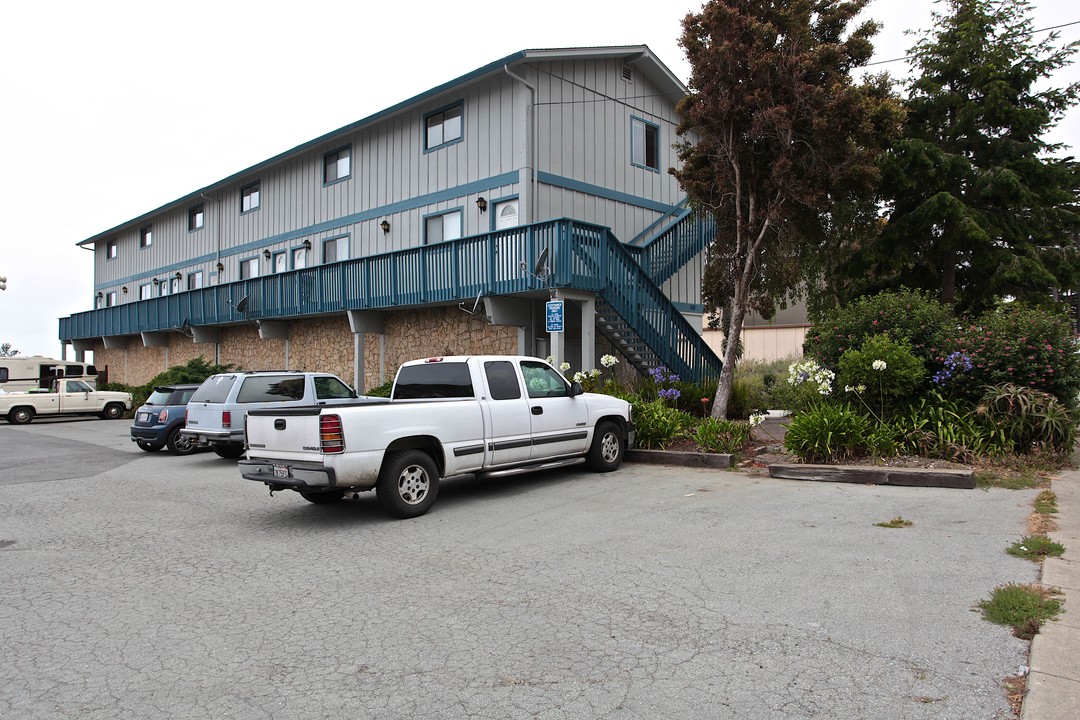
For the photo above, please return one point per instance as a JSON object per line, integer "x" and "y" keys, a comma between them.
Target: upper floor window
{"x": 249, "y": 269}
{"x": 163, "y": 288}
{"x": 332, "y": 250}
{"x": 144, "y": 292}
{"x": 280, "y": 263}
{"x": 146, "y": 236}
{"x": 299, "y": 258}
{"x": 195, "y": 280}
{"x": 445, "y": 226}
{"x": 249, "y": 198}
{"x": 174, "y": 285}
{"x": 337, "y": 165}
{"x": 195, "y": 217}
{"x": 442, "y": 127}
{"x": 110, "y": 299}
{"x": 644, "y": 144}
{"x": 111, "y": 249}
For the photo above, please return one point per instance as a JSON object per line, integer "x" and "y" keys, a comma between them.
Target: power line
{"x": 912, "y": 57}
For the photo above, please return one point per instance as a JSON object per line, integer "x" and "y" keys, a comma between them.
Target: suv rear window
{"x": 215, "y": 389}
{"x": 433, "y": 380}
{"x": 271, "y": 388}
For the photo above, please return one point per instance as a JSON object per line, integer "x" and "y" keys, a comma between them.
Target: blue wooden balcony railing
{"x": 584, "y": 256}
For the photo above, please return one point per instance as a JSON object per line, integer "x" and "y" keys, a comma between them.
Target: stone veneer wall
{"x": 324, "y": 344}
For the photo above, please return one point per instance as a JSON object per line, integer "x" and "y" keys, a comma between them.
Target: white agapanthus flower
{"x": 565, "y": 366}
{"x": 810, "y": 371}
{"x": 879, "y": 365}
{"x": 608, "y": 360}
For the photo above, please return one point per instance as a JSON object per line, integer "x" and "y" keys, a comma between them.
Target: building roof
{"x": 640, "y": 56}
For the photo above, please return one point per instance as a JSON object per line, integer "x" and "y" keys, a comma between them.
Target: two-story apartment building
{"x": 444, "y": 224}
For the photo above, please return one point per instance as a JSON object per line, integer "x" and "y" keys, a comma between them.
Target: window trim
{"x": 200, "y": 209}
{"x": 146, "y": 236}
{"x": 258, "y": 191}
{"x": 646, "y": 124}
{"x": 337, "y": 151}
{"x": 190, "y": 278}
{"x": 145, "y": 291}
{"x": 460, "y": 210}
{"x": 243, "y": 262}
{"x": 440, "y": 111}
{"x": 112, "y": 249}
{"x": 322, "y": 247}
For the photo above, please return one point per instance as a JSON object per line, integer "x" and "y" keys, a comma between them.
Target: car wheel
{"x": 229, "y": 452}
{"x": 180, "y": 444}
{"x": 20, "y": 415}
{"x": 148, "y": 446}
{"x": 408, "y": 483}
{"x": 607, "y": 450}
{"x": 112, "y": 411}
{"x": 323, "y": 498}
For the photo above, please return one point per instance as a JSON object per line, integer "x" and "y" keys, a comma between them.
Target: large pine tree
{"x": 981, "y": 209}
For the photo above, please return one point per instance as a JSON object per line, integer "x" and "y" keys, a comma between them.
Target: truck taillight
{"x": 331, "y": 437}
{"x": 226, "y": 419}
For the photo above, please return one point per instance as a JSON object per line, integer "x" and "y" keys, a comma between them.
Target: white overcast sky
{"x": 115, "y": 107}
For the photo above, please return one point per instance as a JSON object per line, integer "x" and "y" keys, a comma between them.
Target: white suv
{"x": 215, "y": 413}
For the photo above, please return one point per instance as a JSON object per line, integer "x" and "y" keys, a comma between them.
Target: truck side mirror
{"x": 576, "y": 389}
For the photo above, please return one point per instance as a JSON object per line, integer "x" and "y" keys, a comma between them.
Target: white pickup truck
{"x": 447, "y": 416}
{"x": 64, "y": 397}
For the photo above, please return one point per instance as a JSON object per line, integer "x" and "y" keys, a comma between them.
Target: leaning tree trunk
{"x": 731, "y": 356}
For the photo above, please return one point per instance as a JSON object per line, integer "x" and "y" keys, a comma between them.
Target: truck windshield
{"x": 433, "y": 380}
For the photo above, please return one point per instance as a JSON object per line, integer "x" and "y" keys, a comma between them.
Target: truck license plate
{"x": 281, "y": 471}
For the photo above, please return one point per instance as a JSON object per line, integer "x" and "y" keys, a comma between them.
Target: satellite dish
{"x": 540, "y": 270}
{"x": 241, "y": 307}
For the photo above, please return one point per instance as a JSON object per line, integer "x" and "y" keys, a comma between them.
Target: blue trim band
{"x": 590, "y": 189}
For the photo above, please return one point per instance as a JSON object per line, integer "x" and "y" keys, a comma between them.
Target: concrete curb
{"x": 1053, "y": 687}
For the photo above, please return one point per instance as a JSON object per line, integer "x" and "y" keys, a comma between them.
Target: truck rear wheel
{"x": 323, "y": 498}
{"x": 20, "y": 415}
{"x": 408, "y": 483}
{"x": 112, "y": 411}
{"x": 229, "y": 452}
{"x": 606, "y": 453}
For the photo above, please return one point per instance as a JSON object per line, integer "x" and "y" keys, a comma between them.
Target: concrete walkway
{"x": 1053, "y": 690}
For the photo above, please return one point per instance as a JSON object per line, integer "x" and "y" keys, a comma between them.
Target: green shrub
{"x": 802, "y": 387}
{"x": 1015, "y": 344}
{"x": 657, "y": 423}
{"x": 888, "y": 371}
{"x": 720, "y": 436}
{"x": 194, "y": 371}
{"x": 1029, "y": 419}
{"x": 939, "y": 427}
{"x": 828, "y": 432}
{"x": 383, "y": 390}
{"x": 908, "y": 316}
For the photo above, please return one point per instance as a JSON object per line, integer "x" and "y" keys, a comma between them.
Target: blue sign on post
{"x": 555, "y": 316}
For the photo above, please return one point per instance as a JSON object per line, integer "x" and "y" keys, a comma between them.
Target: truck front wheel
{"x": 112, "y": 411}
{"x": 606, "y": 453}
{"x": 408, "y": 483}
{"x": 20, "y": 415}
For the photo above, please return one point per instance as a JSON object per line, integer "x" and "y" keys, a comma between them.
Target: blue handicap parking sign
{"x": 555, "y": 316}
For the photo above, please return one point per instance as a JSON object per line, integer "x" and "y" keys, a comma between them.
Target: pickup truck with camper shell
{"x": 63, "y": 397}
{"x": 215, "y": 413}
{"x": 486, "y": 415}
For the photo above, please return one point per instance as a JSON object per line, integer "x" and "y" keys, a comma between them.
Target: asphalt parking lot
{"x": 140, "y": 585}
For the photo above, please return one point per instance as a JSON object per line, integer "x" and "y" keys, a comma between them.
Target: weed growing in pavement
{"x": 1046, "y": 503}
{"x": 1024, "y": 607}
{"x": 1036, "y": 547}
{"x": 896, "y": 522}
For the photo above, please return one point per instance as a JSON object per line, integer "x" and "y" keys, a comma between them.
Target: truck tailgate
{"x": 284, "y": 434}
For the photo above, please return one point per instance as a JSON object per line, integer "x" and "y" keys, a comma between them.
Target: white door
{"x": 281, "y": 262}
{"x": 506, "y": 214}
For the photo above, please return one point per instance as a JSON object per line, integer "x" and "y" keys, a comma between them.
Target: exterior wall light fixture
{"x": 124, "y": 289}
{"x": 220, "y": 267}
{"x": 179, "y": 275}
{"x": 307, "y": 244}
{"x": 156, "y": 281}
{"x": 385, "y": 226}
{"x": 481, "y": 203}
{"x": 266, "y": 253}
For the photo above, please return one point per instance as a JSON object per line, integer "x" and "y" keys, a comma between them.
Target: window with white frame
{"x": 195, "y": 217}
{"x": 146, "y": 236}
{"x": 111, "y": 249}
{"x": 337, "y": 165}
{"x": 163, "y": 288}
{"x": 281, "y": 262}
{"x": 249, "y": 198}
{"x": 442, "y": 127}
{"x": 175, "y": 285}
{"x": 299, "y": 258}
{"x": 195, "y": 280}
{"x": 110, "y": 298}
{"x": 442, "y": 227}
{"x": 644, "y": 144}
{"x": 144, "y": 292}
{"x": 249, "y": 268}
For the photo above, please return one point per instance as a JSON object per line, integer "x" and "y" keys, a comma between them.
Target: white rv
{"x": 35, "y": 372}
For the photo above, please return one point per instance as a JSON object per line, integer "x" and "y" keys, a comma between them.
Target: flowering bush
{"x": 807, "y": 382}
{"x": 664, "y": 380}
{"x": 1013, "y": 344}
{"x": 908, "y": 316}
